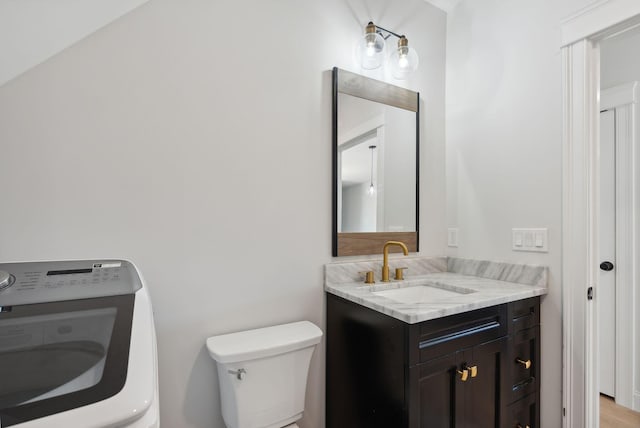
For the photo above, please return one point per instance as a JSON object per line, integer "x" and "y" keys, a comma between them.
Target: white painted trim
{"x": 636, "y": 268}
{"x": 597, "y": 17}
{"x": 580, "y": 85}
{"x": 619, "y": 96}
{"x": 625, "y": 254}
{"x": 579, "y": 227}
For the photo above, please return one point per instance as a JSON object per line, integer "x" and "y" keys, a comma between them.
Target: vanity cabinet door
{"x": 440, "y": 398}
{"x": 436, "y": 396}
{"x": 482, "y": 393}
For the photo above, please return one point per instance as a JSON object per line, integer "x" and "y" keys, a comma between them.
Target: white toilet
{"x": 263, "y": 374}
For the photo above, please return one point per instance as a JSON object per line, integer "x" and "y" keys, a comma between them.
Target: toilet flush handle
{"x": 238, "y": 373}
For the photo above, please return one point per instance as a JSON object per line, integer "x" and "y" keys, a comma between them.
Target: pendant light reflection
{"x": 403, "y": 61}
{"x": 372, "y": 188}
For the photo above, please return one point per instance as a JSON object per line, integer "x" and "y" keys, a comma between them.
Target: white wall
{"x": 504, "y": 146}
{"x": 193, "y": 137}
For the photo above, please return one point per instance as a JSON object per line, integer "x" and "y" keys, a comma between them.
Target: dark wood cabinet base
{"x": 465, "y": 370}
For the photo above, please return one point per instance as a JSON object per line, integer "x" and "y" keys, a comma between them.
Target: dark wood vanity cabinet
{"x": 382, "y": 372}
{"x": 439, "y": 397}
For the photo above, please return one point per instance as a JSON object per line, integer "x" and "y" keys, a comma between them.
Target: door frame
{"x": 580, "y": 55}
{"x": 623, "y": 99}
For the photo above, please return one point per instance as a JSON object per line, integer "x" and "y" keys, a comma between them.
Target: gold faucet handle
{"x": 368, "y": 277}
{"x": 400, "y": 273}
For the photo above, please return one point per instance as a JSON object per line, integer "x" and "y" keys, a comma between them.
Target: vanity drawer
{"x": 442, "y": 336}
{"x": 523, "y": 413}
{"x": 523, "y": 314}
{"x": 523, "y": 363}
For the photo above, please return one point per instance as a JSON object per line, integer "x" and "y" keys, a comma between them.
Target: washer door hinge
{"x": 590, "y": 293}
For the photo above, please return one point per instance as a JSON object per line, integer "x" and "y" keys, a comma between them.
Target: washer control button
{"x": 5, "y": 279}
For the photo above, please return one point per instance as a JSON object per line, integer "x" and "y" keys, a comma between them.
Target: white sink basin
{"x": 422, "y": 293}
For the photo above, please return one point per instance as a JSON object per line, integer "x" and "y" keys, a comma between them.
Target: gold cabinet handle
{"x": 520, "y": 426}
{"x": 525, "y": 363}
{"x": 368, "y": 277}
{"x": 474, "y": 371}
{"x": 464, "y": 374}
{"x": 400, "y": 273}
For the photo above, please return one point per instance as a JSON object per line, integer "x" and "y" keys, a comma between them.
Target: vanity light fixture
{"x": 403, "y": 60}
{"x": 372, "y": 188}
{"x": 371, "y": 48}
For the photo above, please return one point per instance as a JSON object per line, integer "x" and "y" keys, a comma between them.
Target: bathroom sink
{"x": 426, "y": 293}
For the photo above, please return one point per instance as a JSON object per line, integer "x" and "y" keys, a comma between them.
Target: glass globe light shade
{"x": 404, "y": 60}
{"x": 371, "y": 48}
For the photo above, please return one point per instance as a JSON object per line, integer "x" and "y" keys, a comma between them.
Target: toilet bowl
{"x": 262, "y": 374}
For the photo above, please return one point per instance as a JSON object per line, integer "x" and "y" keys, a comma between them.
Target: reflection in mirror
{"x": 377, "y": 182}
{"x": 375, "y": 164}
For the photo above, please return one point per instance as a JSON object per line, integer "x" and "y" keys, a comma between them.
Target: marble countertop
{"x": 479, "y": 293}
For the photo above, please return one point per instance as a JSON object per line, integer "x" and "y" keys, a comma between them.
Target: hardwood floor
{"x": 615, "y": 416}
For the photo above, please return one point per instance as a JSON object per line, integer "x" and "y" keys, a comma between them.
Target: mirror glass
{"x": 377, "y": 167}
{"x": 375, "y": 164}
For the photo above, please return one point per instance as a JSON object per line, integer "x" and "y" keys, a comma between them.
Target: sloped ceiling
{"x": 32, "y": 31}
{"x": 446, "y": 5}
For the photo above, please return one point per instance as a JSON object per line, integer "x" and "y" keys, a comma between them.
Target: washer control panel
{"x": 39, "y": 282}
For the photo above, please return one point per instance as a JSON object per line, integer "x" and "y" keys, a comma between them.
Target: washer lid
{"x": 60, "y": 356}
{"x": 263, "y": 342}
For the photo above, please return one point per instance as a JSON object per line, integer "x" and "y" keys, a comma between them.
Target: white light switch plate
{"x": 536, "y": 240}
{"x": 452, "y": 240}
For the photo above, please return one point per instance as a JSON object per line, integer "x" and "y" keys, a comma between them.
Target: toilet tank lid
{"x": 263, "y": 342}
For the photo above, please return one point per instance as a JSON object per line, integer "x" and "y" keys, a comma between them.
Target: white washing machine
{"x": 77, "y": 346}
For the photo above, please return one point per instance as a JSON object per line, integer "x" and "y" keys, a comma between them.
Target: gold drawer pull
{"x": 464, "y": 374}
{"x": 526, "y": 364}
{"x": 520, "y": 426}
{"x": 474, "y": 371}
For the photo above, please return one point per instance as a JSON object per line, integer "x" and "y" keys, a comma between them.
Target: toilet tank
{"x": 262, "y": 373}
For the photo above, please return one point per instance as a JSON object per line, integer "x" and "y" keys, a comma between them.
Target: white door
{"x": 606, "y": 293}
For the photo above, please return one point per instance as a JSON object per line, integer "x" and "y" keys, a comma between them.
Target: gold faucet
{"x": 385, "y": 254}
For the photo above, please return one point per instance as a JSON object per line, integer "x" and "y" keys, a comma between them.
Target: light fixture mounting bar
{"x": 390, "y": 33}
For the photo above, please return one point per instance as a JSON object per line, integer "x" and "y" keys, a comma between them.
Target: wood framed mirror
{"x": 376, "y": 159}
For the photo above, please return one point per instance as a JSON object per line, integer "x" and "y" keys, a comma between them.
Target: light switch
{"x": 517, "y": 239}
{"x": 452, "y": 237}
{"x": 530, "y": 239}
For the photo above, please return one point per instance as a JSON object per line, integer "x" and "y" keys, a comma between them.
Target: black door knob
{"x": 606, "y": 266}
